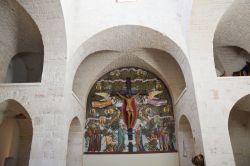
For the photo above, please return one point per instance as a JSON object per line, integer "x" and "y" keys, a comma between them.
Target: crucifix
{"x": 129, "y": 110}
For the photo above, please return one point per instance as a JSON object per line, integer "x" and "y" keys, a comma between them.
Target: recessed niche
{"x": 231, "y": 61}
{"x": 25, "y": 67}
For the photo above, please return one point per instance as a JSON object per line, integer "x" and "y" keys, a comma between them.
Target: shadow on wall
{"x": 15, "y": 143}
{"x": 25, "y": 67}
{"x": 239, "y": 130}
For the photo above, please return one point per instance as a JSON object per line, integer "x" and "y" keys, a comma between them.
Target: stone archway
{"x": 23, "y": 44}
{"x": 231, "y": 41}
{"x": 15, "y": 143}
{"x": 239, "y": 131}
{"x": 186, "y": 142}
{"x": 75, "y": 144}
{"x": 133, "y": 45}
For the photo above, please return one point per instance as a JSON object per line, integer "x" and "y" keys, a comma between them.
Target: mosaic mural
{"x": 129, "y": 110}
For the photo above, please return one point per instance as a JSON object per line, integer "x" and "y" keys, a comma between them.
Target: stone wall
{"x": 72, "y": 33}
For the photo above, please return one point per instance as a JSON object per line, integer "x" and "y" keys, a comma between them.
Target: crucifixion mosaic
{"x": 129, "y": 110}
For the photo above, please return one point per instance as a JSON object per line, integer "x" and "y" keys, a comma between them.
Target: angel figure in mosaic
{"x": 151, "y": 99}
{"x": 106, "y": 101}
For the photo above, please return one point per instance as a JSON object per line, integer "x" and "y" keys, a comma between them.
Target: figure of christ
{"x": 129, "y": 106}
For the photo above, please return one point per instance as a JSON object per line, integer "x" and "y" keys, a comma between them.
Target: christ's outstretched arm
{"x": 123, "y": 97}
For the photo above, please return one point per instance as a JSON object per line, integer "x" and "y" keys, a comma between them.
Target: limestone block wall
{"x": 109, "y": 40}
{"x": 173, "y": 14}
{"x": 215, "y": 96}
{"x": 161, "y": 25}
{"x": 50, "y": 22}
{"x": 123, "y": 38}
{"x": 43, "y": 101}
{"x": 232, "y": 28}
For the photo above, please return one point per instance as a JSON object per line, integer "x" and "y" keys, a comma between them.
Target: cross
{"x": 129, "y": 93}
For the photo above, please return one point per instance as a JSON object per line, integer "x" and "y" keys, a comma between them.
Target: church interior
{"x": 124, "y": 82}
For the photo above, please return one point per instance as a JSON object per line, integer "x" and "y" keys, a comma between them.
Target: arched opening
{"x": 16, "y": 134}
{"x": 133, "y": 46}
{"x": 153, "y": 60}
{"x": 239, "y": 130}
{"x": 186, "y": 142}
{"x": 25, "y": 67}
{"x": 232, "y": 61}
{"x": 22, "y": 49}
{"x": 231, "y": 41}
{"x": 129, "y": 110}
{"x": 75, "y": 144}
